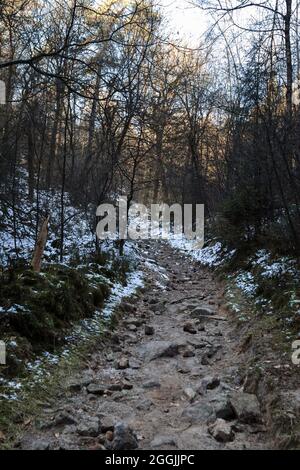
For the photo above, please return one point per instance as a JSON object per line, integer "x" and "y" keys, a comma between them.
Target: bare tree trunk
{"x": 289, "y": 62}
{"x": 53, "y": 142}
{"x": 40, "y": 246}
{"x": 30, "y": 163}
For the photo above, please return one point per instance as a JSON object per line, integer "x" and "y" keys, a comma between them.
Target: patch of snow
{"x": 212, "y": 255}
{"x": 245, "y": 281}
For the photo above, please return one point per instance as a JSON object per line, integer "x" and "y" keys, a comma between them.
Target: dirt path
{"x": 154, "y": 385}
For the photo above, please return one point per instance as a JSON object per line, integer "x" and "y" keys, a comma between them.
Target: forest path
{"x": 163, "y": 377}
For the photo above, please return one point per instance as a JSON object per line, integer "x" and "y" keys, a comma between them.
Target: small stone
{"x": 210, "y": 382}
{"x": 107, "y": 423}
{"x": 156, "y": 349}
{"x": 182, "y": 368}
{"x": 124, "y": 438}
{"x": 188, "y": 352}
{"x": 90, "y": 427}
{"x": 196, "y": 372}
{"x": 197, "y": 344}
{"x": 221, "y": 431}
{"x": 132, "y": 328}
{"x": 115, "y": 387}
{"x": 213, "y": 350}
{"x": 131, "y": 338}
{"x": 190, "y": 393}
{"x": 127, "y": 386}
{"x": 151, "y": 384}
{"x": 135, "y": 321}
{"x": 204, "y": 360}
{"x": 109, "y": 435}
{"x": 77, "y": 385}
{"x": 96, "y": 389}
{"x": 123, "y": 363}
{"x": 145, "y": 405}
{"x": 149, "y": 330}
{"x": 189, "y": 327}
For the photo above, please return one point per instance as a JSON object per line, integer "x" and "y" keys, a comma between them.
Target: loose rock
{"x": 89, "y": 427}
{"x": 203, "y": 311}
{"x": 156, "y": 349}
{"x": 151, "y": 384}
{"x": 122, "y": 363}
{"x": 149, "y": 330}
{"x": 145, "y": 405}
{"x": 190, "y": 393}
{"x": 96, "y": 389}
{"x": 124, "y": 438}
{"x": 189, "y": 327}
{"x": 210, "y": 382}
{"x": 221, "y": 431}
{"x": 246, "y": 407}
{"x": 188, "y": 352}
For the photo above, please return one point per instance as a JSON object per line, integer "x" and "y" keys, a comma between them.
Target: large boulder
{"x": 246, "y": 407}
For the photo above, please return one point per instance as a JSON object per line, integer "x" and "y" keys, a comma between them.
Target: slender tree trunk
{"x": 40, "y": 246}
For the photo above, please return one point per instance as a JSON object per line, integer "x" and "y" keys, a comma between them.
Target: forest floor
{"x": 167, "y": 377}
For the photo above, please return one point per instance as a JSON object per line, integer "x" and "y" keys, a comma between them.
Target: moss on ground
{"x": 38, "y": 309}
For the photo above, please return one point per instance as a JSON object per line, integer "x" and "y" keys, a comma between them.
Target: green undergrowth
{"x": 38, "y": 309}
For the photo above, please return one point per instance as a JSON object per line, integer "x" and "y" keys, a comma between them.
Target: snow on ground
{"x": 274, "y": 268}
{"x": 245, "y": 281}
{"x": 22, "y": 221}
{"x": 262, "y": 265}
{"x": 212, "y": 255}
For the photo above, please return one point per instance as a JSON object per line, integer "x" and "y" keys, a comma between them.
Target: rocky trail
{"x": 166, "y": 378}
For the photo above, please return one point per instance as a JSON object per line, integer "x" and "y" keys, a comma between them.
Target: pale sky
{"x": 185, "y": 20}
